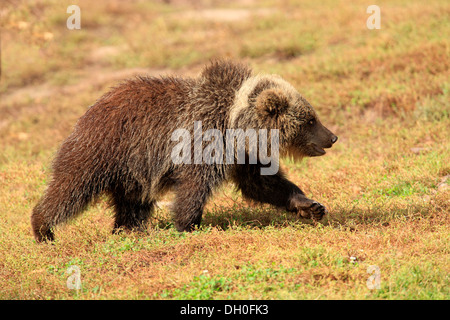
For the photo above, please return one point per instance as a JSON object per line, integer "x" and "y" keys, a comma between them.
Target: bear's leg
{"x": 64, "y": 198}
{"x": 275, "y": 190}
{"x": 131, "y": 214}
{"x": 189, "y": 204}
{"x": 42, "y": 229}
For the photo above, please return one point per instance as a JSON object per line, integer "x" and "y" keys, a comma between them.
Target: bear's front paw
{"x": 317, "y": 211}
{"x": 307, "y": 208}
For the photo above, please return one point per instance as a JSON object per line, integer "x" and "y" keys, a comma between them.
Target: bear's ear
{"x": 272, "y": 103}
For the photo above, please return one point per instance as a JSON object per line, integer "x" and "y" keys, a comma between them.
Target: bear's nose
{"x": 334, "y": 139}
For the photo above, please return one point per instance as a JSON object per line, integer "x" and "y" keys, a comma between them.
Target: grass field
{"x": 384, "y": 92}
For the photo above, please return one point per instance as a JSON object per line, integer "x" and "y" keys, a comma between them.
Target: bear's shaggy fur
{"x": 122, "y": 146}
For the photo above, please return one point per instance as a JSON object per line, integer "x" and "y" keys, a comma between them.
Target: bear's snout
{"x": 330, "y": 142}
{"x": 334, "y": 139}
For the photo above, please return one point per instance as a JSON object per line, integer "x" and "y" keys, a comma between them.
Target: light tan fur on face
{"x": 241, "y": 101}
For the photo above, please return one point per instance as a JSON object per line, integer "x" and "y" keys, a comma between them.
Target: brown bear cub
{"x": 123, "y": 146}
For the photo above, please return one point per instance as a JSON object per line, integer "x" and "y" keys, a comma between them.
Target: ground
{"x": 384, "y": 92}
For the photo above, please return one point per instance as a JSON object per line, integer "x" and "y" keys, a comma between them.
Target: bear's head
{"x": 269, "y": 102}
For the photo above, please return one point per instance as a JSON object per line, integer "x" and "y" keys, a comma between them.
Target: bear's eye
{"x": 311, "y": 122}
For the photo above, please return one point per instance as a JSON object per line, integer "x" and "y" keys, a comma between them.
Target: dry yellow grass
{"x": 386, "y": 182}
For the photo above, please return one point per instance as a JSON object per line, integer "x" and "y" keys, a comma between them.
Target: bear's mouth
{"x": 318, "y": 151}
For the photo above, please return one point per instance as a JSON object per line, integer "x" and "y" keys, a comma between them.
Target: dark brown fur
{"x": 122, "y": 147}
